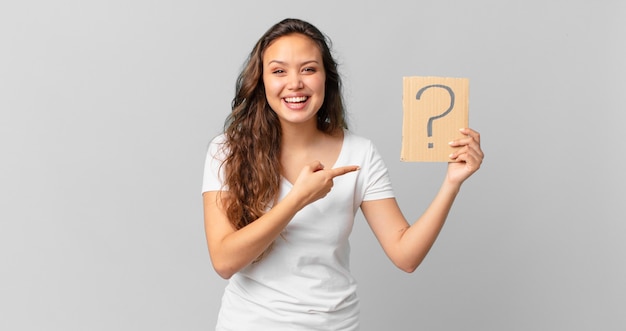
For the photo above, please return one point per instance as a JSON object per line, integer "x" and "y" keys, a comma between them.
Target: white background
{"x": 106, "y": 108}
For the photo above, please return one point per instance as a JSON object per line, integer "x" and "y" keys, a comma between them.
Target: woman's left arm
{"x": 407, "y": 245}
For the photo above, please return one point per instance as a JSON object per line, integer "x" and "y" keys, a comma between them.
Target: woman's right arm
{"x": 231, "y": 249}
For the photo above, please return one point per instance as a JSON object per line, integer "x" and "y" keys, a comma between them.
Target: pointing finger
{"x": 343, "y": 170}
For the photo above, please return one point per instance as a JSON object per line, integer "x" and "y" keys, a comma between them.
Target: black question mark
{"x": 430, "y": 120}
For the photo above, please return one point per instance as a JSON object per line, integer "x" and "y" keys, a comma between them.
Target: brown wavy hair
{"x": 253, "y": 132}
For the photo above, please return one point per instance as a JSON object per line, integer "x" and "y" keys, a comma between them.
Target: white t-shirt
{"x": 304, "y": 283}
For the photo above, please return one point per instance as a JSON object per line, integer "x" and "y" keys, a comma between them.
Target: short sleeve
{"x": 213, "y": 172}
{"x": 377, "y": 184}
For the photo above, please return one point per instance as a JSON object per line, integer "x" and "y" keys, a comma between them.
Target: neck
{"x": 299, "y": 136}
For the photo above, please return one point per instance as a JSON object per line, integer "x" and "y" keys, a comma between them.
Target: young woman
{"x": 282, "y": 186}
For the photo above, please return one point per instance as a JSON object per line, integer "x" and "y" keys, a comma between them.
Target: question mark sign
{"x": 431, "y": 119}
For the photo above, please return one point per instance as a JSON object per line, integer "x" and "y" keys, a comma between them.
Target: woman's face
{"x": 294, "y": 79}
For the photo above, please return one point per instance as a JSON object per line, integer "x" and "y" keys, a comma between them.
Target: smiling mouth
{"x": 296, "y": 99}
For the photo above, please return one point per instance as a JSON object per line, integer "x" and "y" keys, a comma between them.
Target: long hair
{"x": 253, "y": 131}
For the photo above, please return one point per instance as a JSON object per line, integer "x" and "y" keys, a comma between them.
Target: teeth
{"x": 296, "y": 99}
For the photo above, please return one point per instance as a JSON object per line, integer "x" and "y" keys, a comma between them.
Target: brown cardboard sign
{"x": 434, "y": 108}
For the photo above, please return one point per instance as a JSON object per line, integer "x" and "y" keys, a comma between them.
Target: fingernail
{"x": 450, "y": 156}
{"x": 450, "y": 143}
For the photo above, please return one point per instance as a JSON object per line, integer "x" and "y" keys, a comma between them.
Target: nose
{"x": 295, "y": 82}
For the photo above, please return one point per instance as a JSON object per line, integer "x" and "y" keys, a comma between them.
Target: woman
{"x": 282, "y": 186}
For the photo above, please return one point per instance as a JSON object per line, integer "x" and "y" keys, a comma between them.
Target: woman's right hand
{"x": 314, "y": 182}
{"x": 232, "y": 249}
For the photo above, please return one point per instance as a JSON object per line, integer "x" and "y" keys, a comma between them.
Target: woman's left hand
{"x": 468, "y": 157}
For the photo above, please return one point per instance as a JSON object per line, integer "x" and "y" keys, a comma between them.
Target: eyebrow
{"x": 284, "y": 63}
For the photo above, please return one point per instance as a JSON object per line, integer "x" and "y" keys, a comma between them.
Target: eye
{"x": 278, "y": 71}
{"x": 309, "y": 69}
